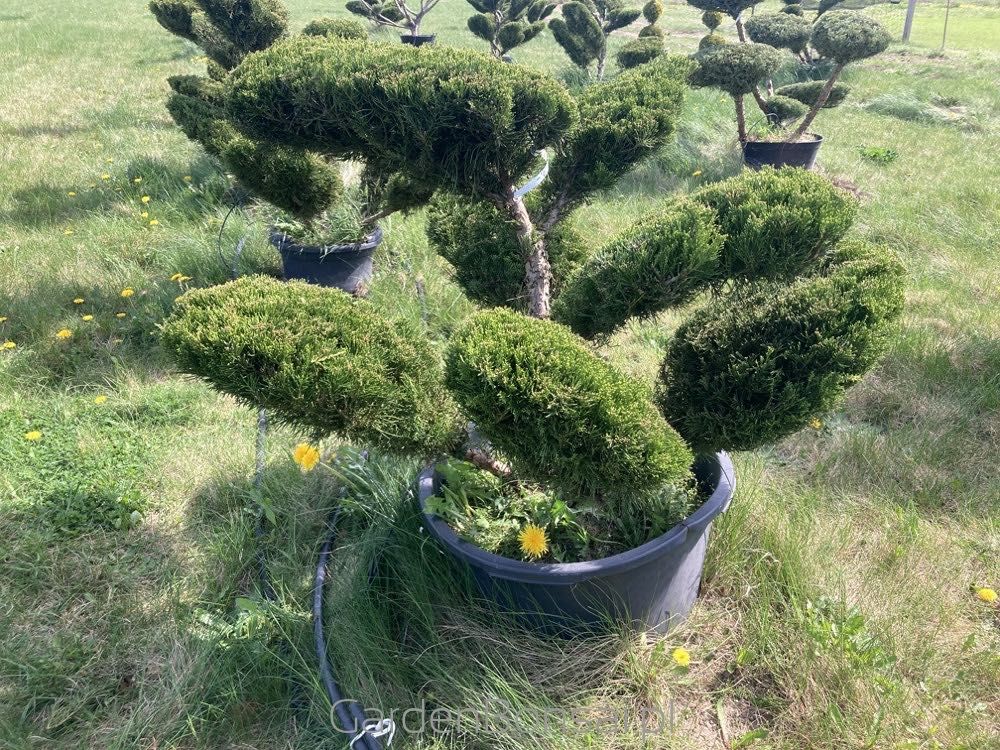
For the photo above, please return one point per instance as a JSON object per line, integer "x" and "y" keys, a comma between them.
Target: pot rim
{"x": 284, "y": 243}
{"x": 568, "y": 573}
{"x": 805, "y": 144}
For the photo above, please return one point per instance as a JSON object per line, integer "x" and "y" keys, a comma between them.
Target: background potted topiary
{"x": 577, "y": 493}
{"x": 649, "y": 44}
{"x": 396, "y": 14}
{"x": 834, "y": 40}
{"x": 325, "y": 231}
{"x": 584, "y": 27}
{"x": 507, "y": 24}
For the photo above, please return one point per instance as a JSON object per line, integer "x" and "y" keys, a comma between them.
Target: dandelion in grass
{"x": 8, "y": 345}
{"x": 176, "y": 277}
{"x": 3, "y": 318}
{"x": 71, "y": 194}
{"x": 33, "y": 436}
{"x": 67, "y": 231}
{"x": 120, "y": 315}
{"x": 127, "y": 292}
{"x": 100, "y": 399}
{"x": 696, "y": 172}
{"x": 187, "y": 178}
{"x": 816, "y": 423}
{"x": 78, "y": 300}
{"x": 534, "y": 543}
{"x": 306, "y": 456}
{"x": 109, "y": 160}
{"x": 154, "y": 223}
{"x": 987, "y": 595}
{"x": 87, "y": 318}
{"x": 64, "y": 334}
{"x": 144, "y": 214}
{"x": 145, "y": 199}
{"x": 105, "y": 176}
{"x": 137, "y": 180}
{"x": 681, "y": 657}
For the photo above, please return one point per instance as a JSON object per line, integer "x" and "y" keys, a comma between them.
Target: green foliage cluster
{"x": 342, "y": 28}
{"x": 318, "y": 359}
{"x": 562, "y": 415}
{"x": 481, "y": 244}
{"x": 780, "y": 30}
{"x": 639, "y": 52}
{"x": 846, "y": 36}
{"x": 756, "y": 366}
{"x": 507, "y": 24}
{"x": 712, "y": 19}
{"x": 660, "y": 262}
{"x": 379, "y": 12}
{"x": 735, "y": 68}
{"x": 783, "y": 109}
{"x": 808, "y": 92}
{"x": 792, "y": 7}
{"x": 777, "y": 223}
{"x": 445, "y": 118}
{"x": 621, "y": 122}
{"x": 227, "y": 30}
{"x": 585, "y": 25}
{"x": 731, "y": 8}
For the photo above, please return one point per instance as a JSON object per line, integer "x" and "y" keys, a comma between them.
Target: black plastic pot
{"x": 757, "y": 154}
{"x": 418, "y": 40}
{"x": 651, "y": 587}
{"x": 347, "y": 267}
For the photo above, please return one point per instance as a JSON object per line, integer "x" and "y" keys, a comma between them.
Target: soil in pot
{"x": 347, "y": 267}
{"x": 652, "y": 586}
{"x": 757, "y": 154}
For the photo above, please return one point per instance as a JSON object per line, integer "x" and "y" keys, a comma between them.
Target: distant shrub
{"x": 660, "y": 262}
{"x": 342, "y": 28}
{"x": 318, "y": 359}
{"x": 879, "y": 154}
{"x": 560, "y": 413}
{"x": 777, "y": 223}
{"x": 754, "y": 367}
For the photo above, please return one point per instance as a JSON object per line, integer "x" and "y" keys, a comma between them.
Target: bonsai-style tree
{"x": 304, "y": 184}
{"x": 789, "y": 312}
{"x": 396, "y": 14}
{"x": 649, "y": 45}
{"x": 507, "y": 24}
{"x": 585, "y": 26}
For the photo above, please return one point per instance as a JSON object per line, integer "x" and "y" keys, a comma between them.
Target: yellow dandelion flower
{"x": 187, "y": 178}
{"x": 306, "y": 456}
{"x": 696, "y": 172}
{"x": 71, "y": 194}
{"x": 182, "y": 279}
{"x": 681, "y": 657}
{"x": 109, "y": 160}
{"x": 119, "y": 315}
{"x": 100, "y": 399}
{"x": 816, "y": 423}
{"x": 534, "y": 543}
{"x": 8, "y": 345}
{"x": 987, "y": 595}
{"x": 144, "y": 214}
{"x": 154, "y": 223}
{"x": 33, "y": 436}
{"x": 105, "y": 176}
{"x": 137, "y": 180}
{"x": 79, "y": 301}
{"x": 67, "y": 231}
{"x": 87, "y": 318}
{"x": 145, "y": 199}
{"x": 176, "y": 277}
{"x": 3, "y": 318}
{"x": 128, "y": 292}
{"x": 64, "y": 333}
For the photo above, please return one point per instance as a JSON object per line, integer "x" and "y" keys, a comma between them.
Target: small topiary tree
{"x": 507, "y": 24}
{"x": 788, "y": 314}
{"x": 649, "y": 45}
{"x": 395, "y": 14}
{"x": 585, "y": 26}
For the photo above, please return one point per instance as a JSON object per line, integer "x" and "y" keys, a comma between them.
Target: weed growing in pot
{"x": 788, "y": 314}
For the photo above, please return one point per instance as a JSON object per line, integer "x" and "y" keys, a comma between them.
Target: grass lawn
{"x": 837, "y": 609}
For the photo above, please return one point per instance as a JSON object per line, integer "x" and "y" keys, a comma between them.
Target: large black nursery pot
{"x": 652, "y": 587}
{"x": 347, "y": 267}
{"x": 757, "y": 154}
{"x": 417, "y": 40}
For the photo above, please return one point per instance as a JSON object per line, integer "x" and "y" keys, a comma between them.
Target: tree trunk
{"x": 537, "y": 270}
{"x": 824, "y": 94}
{"x": 740, "y": 30}
{"x": 741, "y": 120}
{"x": 602, "y": 59}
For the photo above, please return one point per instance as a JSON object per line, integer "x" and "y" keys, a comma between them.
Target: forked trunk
{"x": 537, "y": 270}
{"x": 824, "y": 94}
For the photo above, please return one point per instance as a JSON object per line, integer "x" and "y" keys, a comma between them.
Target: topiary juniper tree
{"x": 649, "y": 45}
{"x": 507, "y": 24}
{"x": 585, "y": 26}
{"x": 789, "y": 314}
